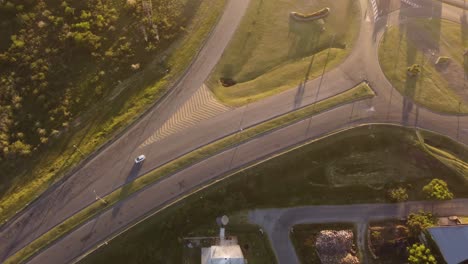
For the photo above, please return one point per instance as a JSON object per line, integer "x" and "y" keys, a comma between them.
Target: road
{"x": 277, "y": 223}
{"x": 113, "y": 166}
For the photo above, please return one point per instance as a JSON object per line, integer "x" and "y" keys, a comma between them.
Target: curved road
{"x": 113, "y": 166}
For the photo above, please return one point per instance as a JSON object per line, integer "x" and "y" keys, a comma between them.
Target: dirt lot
{"x": 388, "y": 241}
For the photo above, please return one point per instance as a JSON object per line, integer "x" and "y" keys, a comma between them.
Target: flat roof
{"x": 231, "y": 254}
{"x": 452, "y": 242}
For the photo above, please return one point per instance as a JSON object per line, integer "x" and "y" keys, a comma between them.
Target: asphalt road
{"x": 278, "y": 223}
{"x": 113, "y": 166}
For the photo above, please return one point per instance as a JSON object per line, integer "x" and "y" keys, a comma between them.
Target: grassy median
{"x": 362, "y": 91}
{"x": 271, "y": 52}
{"x": 354, "y": 166}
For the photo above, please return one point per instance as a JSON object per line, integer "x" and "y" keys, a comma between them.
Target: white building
{"x": 227, "y": 252}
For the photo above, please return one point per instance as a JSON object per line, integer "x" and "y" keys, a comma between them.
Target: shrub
{"x": 437, "y": 189}
{"x": 418, "y": 222}
{"x": 418, "y": 253}
{"x": 414, "y": 70}
{"x": 398, "y": 195}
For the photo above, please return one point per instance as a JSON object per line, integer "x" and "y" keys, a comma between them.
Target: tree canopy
{"x": 420, "y": 254}
{"x": 398, "y": 194}
{"x": 418, "y": 222}
{"x": 58, "y": 58}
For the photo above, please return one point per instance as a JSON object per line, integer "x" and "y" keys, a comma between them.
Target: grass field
{"x": 300, "y": 177}
{"x": 422, "y": 41}
{"x": 100, "y": 123}
{"x": 271, "y": 52}
{"x": 304, "y": 236}
{"x": 359, "y": 92}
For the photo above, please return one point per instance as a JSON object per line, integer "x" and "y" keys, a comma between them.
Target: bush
{"x": 437, "y": 189}
{"x": 418, "y": 253}
{"x": 398, "y": 195}
{"x": 418, "y": 222}
{"x": 414, "y": 70}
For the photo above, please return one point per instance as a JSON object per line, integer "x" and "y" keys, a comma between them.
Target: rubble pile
{"x": 336, "y": 247}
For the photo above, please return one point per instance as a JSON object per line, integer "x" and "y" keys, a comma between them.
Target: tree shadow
{"x": 464, "y": 36}
{"x": 411, "y": 51}
{"x": 410, "y": 90}
{"x": 436, "y": 21}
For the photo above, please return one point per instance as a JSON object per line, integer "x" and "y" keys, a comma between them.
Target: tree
{"x": 437, "y": 189}
{"x": 418, "y": 222}
{"x": 419, "y": 253}
{"x": 398, "y": 195}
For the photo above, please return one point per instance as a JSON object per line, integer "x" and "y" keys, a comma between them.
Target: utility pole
{"x": 458, "y": 120}
{"x": 239, "y": 131}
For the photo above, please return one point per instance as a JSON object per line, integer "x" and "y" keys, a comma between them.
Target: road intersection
{"x": 110, "y": 169}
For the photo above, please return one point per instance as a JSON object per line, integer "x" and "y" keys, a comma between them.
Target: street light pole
{"x": 458, "y": 120}
{"x": 77, "y": 149}
{"x": 99, "y": 197}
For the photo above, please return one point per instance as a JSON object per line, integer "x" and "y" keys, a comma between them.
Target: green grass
{"x": 454, "y": 3}
{"x": 304, "y": 236}
{"x": 271, "y": 52}
{"x": 448, "y": 156}
{"x": 101, "y": 123}
{"x": 297, "y": 177}
{"x": 359, "y": 92}
{"x": 430, "y": 89}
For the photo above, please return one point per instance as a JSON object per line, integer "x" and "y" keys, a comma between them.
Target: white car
{"x": 140, "y": 159}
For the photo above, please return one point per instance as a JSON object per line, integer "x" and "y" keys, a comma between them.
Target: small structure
{"x": 322, "y": 13}
{"x": 452, "y": 242}
{"x": 226, "y": 252}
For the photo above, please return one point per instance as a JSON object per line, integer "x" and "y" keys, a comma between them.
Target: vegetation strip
{"x": 447, "y": 158}
{"x": 360, "y": 92}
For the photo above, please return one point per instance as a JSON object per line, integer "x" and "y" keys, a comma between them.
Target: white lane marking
{"x": 201, "y": 106}
{"x": 410, "y": 3}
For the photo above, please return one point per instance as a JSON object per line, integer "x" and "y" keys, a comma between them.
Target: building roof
{"x": 452, "y": 242}
{"x": 223, "y": 255}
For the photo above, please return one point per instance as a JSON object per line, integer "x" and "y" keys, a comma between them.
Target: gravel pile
{"x": 336, "y": 247}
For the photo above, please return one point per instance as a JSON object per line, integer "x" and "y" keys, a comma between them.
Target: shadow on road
{"x": 299, "y": 95}
{"x": 127, "y": 187}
